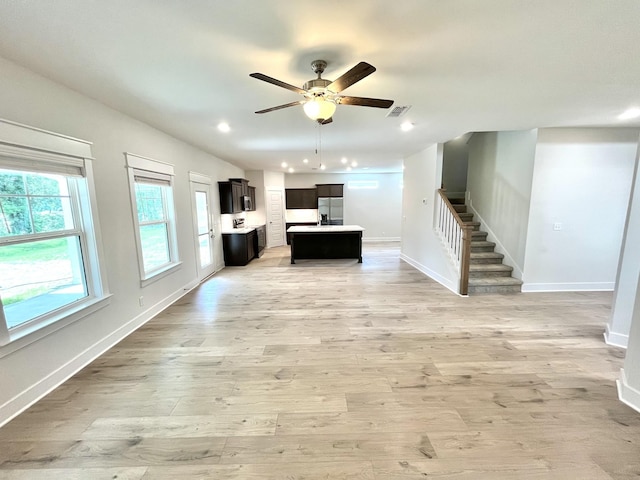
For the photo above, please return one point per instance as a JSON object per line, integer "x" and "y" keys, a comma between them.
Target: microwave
{"x": 246, "y": 203}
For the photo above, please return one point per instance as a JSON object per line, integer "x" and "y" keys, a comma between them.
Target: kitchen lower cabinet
{"x": 239, "y": 248}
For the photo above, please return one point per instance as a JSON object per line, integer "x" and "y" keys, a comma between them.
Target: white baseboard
{"x": 615, "y": 339}
{"x": 35, "y": 392}
{"x": 508, "y": 259}
{"x": 569, "y": 287}
{"x": 380, "y": 239}
{"x": 445, "y": 282}
{"x": 626, "y": 393}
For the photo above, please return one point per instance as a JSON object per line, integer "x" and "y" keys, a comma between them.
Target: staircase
{"x": 487, "y": 273}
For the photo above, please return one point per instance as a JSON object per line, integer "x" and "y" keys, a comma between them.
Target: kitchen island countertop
{"x": 325, "y": 228}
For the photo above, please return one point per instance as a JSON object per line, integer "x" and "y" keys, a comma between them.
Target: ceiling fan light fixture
{"x": 319, "y": 108}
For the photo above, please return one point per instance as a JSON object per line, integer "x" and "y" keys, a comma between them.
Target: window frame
{"x": 156, "y": 172}
{"x": 30, "y": 149}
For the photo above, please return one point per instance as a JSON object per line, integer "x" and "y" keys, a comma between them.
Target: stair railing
{"x": 456, "y": 237}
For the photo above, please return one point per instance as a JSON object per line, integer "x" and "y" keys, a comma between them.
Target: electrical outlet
{"x": 557, "y": 226}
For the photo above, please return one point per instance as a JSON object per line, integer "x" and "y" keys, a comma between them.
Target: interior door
{"x": 203, "y": 229}
{"x": 275, "y": 218}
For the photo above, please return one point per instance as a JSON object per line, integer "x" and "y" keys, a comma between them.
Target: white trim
{"x": 35, "y": 392}
{"x": 484, "y": 227}
{"x": 149, "y": 164}
{"x": 380, "y": 239}
{"x": 569, "y": 287}
{"x": 626, "y": 393}
{"x": 199, "y": 178}
{"x": 445, "y": 282}
{"x": 615, "y": 339}
{"x": 25, "y": 136}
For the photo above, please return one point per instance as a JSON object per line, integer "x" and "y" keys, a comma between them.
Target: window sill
{"x": 158, "y": 274}
{"x": 30, "y": 333}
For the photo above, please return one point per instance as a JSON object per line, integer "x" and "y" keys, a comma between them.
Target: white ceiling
{"x": 183, "y": 66}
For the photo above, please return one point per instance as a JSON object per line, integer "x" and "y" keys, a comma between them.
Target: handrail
{"x": 456, "y": 236}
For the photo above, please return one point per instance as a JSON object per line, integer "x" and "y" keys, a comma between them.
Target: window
{"x": 152, "y": 200}
{"x": 49, "y": 268}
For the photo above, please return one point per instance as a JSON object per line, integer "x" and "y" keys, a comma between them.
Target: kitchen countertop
{"x": 325, "y": 229}
{"x": 244, "y": 230}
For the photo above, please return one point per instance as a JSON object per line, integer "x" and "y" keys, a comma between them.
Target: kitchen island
{"x": 326, "y": 241}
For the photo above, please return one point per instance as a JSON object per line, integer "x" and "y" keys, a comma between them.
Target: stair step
{"x": 495, "y": 285}
{"x": 475, "y": 225}
{"x": 460, "y": 208}
{"x": 484, "y": 270}
{"x": 478, "y": 235}
{"x": 456, "y": 200}
{"x": 465, "y": 216}
{"x": 486, "y": 257}
{"x": 482, "y": 246}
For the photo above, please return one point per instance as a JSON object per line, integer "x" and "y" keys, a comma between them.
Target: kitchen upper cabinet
{"x": 230, "y": 197}
{"x": 296, "y": 198}
{"x": 252, "y": 195}
{"x": 244, "y": 183}
{"x": 330, "y": 189}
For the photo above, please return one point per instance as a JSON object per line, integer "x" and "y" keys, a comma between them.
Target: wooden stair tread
{"x": 486, "y": 255}
{"x": 490, "y": 267}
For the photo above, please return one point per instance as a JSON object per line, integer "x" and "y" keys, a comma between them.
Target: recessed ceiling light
{"x": 322, "y": 167}
{"x": 306, "y": 160}
{"x": 283, "y": 164}
{"x": 630, "y": 114}
{"x": 291, "y": 170}
{"x": 354, "y": 164}
{"x": 343, "y": 159}
{"x": 406, "y": 126}
{"x": 224, "y": 127}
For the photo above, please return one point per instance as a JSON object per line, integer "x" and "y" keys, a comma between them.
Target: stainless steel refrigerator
{"x": 330, "y": 210}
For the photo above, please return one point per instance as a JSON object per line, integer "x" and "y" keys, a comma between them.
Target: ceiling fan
{"x": 321, "y": 96}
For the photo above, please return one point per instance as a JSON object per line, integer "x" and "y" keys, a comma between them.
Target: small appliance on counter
{"x": 238, "y": 223}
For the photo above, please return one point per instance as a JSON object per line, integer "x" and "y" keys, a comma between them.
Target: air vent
{"x": 398, "y": 111}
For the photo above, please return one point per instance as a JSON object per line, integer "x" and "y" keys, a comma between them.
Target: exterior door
{"x": 203, "y": 228}
{"x": 275, "y": 218}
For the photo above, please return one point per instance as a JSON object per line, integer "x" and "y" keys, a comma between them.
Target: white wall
{"x": 378, "y": 210}
{"x": 455, "y": 165}
{"x": 582, "y": 181}
{"x": 421, "y": 246}
{"x": 27, "y": 98}
{"x": 626, "y": 290}
{"x": 499, "y": 189}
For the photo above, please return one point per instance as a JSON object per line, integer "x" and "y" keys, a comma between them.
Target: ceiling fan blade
{"x": 273, "y": 81}
{"x": 365, "y": 102}
{"x": 354, "y": 75}
{"x": 279, "y": 107}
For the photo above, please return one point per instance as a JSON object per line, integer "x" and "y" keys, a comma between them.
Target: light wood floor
{"x": 335, "y": 370}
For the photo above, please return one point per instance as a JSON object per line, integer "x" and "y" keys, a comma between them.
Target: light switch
{"x": 557, "y": 226}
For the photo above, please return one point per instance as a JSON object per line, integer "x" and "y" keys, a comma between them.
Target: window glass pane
{"x": 12, "y": 182}
{"x": 205, "y": 250}
{"x": 39, "y": 277}
{"x": 51, "y": 214}
{"x": 149, "y": 202}
{"x": 202, "y": 212}
{"x": 46, "y": 184}
{"x": 155, "y": 246}
{"x": 15, "y": 218}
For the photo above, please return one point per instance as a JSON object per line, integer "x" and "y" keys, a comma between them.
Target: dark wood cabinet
{"x": 296, "y": 198}
{"x": 330, "y": 189}
{"x": 239, "y": 248}
{"x": 230, "y": 197}
{"x": 252, "y": 195}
